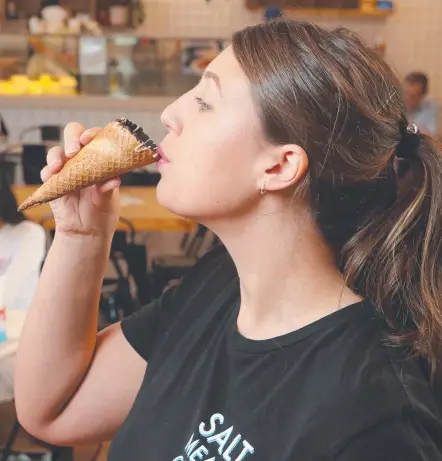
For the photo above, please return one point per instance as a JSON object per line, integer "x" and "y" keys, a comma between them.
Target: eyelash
{"x": 203, "y": 105}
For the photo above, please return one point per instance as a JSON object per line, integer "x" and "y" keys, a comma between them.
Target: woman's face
{"x": 214, "y": 146}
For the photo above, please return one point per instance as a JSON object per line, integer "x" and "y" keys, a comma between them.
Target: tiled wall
{"x": 219, "y": 18}
{"x": 414, "y": 41}
{"x": 18, "y": 120}
{"x": 410, "y": 34}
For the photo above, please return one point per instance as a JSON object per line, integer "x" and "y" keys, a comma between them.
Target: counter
{"x": 117, "y": 65}
{"x": 153, "y": 104}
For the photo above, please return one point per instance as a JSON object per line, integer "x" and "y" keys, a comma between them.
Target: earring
{"x": 263, "y": 188}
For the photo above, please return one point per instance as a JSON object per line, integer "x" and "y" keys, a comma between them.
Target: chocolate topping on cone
{"x": 137, "y": 131}
{"x": 121, "y": 147}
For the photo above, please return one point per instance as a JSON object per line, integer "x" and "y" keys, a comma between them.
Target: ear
{"x": 285, "y": 167}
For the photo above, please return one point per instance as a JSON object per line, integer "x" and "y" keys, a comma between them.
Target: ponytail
{"x": 340, "y": 101}
{"x": 396, "y": 258}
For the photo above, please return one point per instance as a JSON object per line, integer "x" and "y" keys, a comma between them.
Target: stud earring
{"x": 263, "y": 188}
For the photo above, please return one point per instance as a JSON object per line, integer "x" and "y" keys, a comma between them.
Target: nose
{"x": 171, "y": 120}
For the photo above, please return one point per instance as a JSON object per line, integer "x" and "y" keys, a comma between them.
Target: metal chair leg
{"x": 62, "y": 454}
{"x": 10, "y": 442}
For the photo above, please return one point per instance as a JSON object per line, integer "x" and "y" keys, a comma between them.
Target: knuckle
{"x": 90, "y": 133}
{"x": 44, "y": 173}
{"x": 73, "y": 129}
{"x": 54, "y": 154}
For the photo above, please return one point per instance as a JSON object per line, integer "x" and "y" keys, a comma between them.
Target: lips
{"x": 162, "y": 154}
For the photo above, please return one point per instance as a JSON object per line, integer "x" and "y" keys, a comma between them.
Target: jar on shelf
{"x": 368, "y": 5}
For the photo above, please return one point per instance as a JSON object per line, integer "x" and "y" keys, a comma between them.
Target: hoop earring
{"x": 263, "y": 188}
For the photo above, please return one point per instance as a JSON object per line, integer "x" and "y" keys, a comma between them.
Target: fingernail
{"x": 72, "y": 148}
{"x": 114, "y": 183}
{"x": 85, "y": 137}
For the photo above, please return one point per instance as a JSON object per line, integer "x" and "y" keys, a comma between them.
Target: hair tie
{"x": 409, "y": 144}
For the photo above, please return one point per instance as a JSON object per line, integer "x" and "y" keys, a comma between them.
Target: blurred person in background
{"x": 22, "y": 251}
{"x": 422, "y": 110}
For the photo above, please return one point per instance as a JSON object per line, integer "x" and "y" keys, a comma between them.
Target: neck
{"x": 288, "y": 275}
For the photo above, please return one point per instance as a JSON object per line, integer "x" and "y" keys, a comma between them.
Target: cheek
{"x": 212, "y": 169}
{"x": 211, "y": 172}
{"x": 210, "y": 182}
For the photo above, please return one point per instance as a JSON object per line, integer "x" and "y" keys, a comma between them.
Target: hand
{"x": 92, "y": 211}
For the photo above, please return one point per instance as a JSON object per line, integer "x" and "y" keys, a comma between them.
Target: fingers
{"x": 108, "y": 186}
{"x": 55, "y": 155}
{"x": 104, "y": 194}
{"x": 44, "y": 174}
{"x": 72, "y": 135}
{"x": 55, "y": 161}
{"x": 75, "y": 136}
{"x": 89, "y": 134}
{"x": 48, "y": 171}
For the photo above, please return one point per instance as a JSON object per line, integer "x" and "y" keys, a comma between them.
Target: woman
{"x": 294, "y": 150}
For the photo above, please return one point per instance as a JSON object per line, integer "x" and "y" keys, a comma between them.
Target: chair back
{"x": 193, "y": 243}
{"x": 7, "y": 172}
{"x": 33, "y": 161}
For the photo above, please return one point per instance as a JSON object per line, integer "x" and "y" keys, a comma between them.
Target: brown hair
{"x": 418, "y": 78}
{"x": 8, "y": 204}
{"x": 329, "y": 93}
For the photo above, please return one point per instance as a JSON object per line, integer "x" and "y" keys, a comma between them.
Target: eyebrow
{"x": 214, "y": 77}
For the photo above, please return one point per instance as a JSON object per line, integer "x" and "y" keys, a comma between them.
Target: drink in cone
{"x": 121, "y": 147}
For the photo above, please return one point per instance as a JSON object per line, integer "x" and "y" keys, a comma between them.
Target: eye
{"x": 203, "y": 105}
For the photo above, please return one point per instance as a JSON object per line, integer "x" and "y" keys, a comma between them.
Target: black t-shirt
{"x": 329, "y": 391}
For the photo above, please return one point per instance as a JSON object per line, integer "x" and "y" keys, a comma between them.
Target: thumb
{"x": 103, "y": 195}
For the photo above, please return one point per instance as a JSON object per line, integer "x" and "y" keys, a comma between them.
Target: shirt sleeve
{"x": 148, "y": 325}
{"x": 433, "y": 120}
{"x": 396, "y": 440}
{"x": 142, "y": 328}
{"x": 428, "y": 118}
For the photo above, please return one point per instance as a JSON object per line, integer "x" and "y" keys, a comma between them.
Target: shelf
{"x": 87, "y": 102}
{"x": 336, "y": 12}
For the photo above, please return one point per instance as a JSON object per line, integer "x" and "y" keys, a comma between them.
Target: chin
{"x": 164, "y": 196}
{"x": 168, "y": 198}
{"x": 186, "y": 207}
{"x": 190, "y": 203}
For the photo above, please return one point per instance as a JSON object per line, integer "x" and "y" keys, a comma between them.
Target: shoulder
{"x": 368, "y": 383}
{"x": 377, "y": 384}
{"x": 430, "y": 104}
{"x": 396, "y": 415}
{"x": 390, "y": 382}
{"x": 184, "y": 307}
{"x": 404, "y": 438}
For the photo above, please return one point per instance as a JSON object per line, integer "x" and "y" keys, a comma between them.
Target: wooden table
{"x": 138, "y": 205}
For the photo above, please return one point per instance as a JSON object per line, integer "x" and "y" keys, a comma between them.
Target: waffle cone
{"x": 111, "y": 153}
